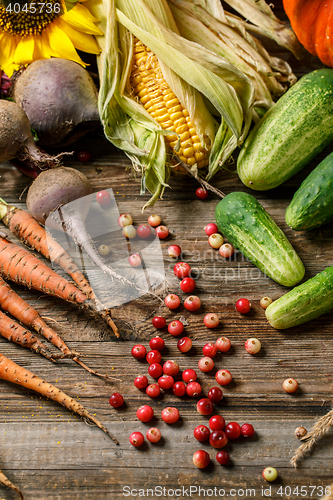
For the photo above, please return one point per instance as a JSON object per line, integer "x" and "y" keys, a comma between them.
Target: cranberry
{"x": 103, "y": 250}
{"x": 174, "y": 251}
{"x": 153, "y": 435}
{"x": 252, "y": 346}
{"x": 153, "y": 390}
{"x": 125, "y": 220}
{"x": 226, "y": 250}
{"x": 218, "y": 439}
{"x": 269, "y": 473}
{"x": 223, "y": 377}
{"x": 193, "y": 389}
{"x": 175, "y": 328}
{"x": 156, "y": 343}
{"x": 204, "y": 406}
{"x": 201, "y": 459}
{"x": 189, "y": 375}
{"x": 211, "y": 320}
{"x": 211, "y": 228}
{"x": 155, "y": 370}
{"x": 179, "y": 389}
{"x": 84, "y": 156}
{"x": 192, "y": 303}
{"x": 181, "y": 270}
{"x": 215, "y": 240}
{"x": 159, "y": 322}
{"x": 223, "y": 344}
{"x": 201, "y": 193}
{"x": 136, "y": 439}
{"x": 138, "y": 351}
{"x": 233, "y": 430}
{"x": 215, "y": 394}
{"x": 141, "y": 382}
{"x": 166, "y": 382}
{"x": 143, "y": 231}
{"x": 247, "y": 430}
{"x": 205, "y": 364}
{"x": 145, "y": 413}
{"x": 170, "y": 415}
{"x": 162, "y": 232}
{"x": 172, "y": 301}
{"x": 290, "y": 385}
{"x": 222, "y": 457}
{"x": 154, "y": 220}
{"x": 217, "y": 423}
{"x": 243, "y": 306}
{"x": 135, "y": 260}
{"x": 170, "y": 367}
{"x": 265, "y": 302}
{"x": 116, "y": 400}
{"x": 184, "y": 344}
{"x": 129, "y": 232}
{"x": 209, "y": 350}
{"x": 103, "y": 198}
{"x": 201, "y": 433}
{"x": 154, "y": 356}
{"x": 187, "y": 285}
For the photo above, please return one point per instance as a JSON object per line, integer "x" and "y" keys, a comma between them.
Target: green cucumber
{"x": 303, "y": 303}
{"x": 291, "y": 133}
{"x": 312, "y": 204}
{"x": 247, "y": 225}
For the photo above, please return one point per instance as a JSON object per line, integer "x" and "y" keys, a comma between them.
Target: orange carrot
{"x": 5, "y": 481}
{"x": 11, "y": 372}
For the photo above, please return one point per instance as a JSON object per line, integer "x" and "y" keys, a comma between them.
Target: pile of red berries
{"x": 145, "y": 413}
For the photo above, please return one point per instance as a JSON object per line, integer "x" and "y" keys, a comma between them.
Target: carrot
{"x": 11, "y": 372}
{"x": 5, "y": 481}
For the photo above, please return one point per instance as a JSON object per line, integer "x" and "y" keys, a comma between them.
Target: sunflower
{"x": 44, "y": 29}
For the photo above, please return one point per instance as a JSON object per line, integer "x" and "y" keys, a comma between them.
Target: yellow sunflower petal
{"x": 8, "y": 45}
{"x": 42, "y": 47}
{"x": 24, "y": 50}
{"x": 81, "y": 41}
{"x": 79, "y": 17}
{"x": 60, "y": 43}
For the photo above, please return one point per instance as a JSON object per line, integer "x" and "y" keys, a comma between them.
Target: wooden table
{"x": 52, "y": 454}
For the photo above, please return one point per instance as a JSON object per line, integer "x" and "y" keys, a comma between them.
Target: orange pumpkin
{"x": 312, "y": 22}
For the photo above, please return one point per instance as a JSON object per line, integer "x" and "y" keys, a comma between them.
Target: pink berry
{"x": 222, "y": 457}
{"x": 136, "y": 439}
{"x": 125, "y": 220}
{"x": 166, "y": 382}
{"x": 175, "y": 328}
{"x": 233, "y": 430}
{"x": 209, "y": 350}
{"x": 205, "y": 364}
{"x": 223, "y": 344}
{"x": 172, "y": 301}
{"x": 187, "y": 285}
{"x": 217, "y": 423}
{"x": 155, "y": 370}
{"x": 201, "y": 459}
{"x": 170, "y": 367}
{"x": 201, "y": 193}
{"x": 181, "y": 270}
{"x": 135, "y": 260}
{"x": 129, "y": 232}
{"x": 156, "y": 343}
{"x": 211, "y": 320}
{"x": 84, "y": 156}
{"x": 215, "y": 240}
{"x": 226, "y": 250}
{"x": 162, "y": 232}
{"x": 145, "y": 413}
{"x": 153, "y": 356}
{"x": 290, "y": 385}
{"x": 138, "y": 351}
{"x": 218, "y": 439}
{"x": 211, "y": 228}
{"x": 103, "y": 198}
{"x": 159, "y": 322}
{"x": 179, "y": 389}
{"x": 116, "y": 400}
{"x": 192, "y": 303}
{"x": 215, "y": 394}
{"x": 184, "y": 344}
{"x": 189, "y": 375}
{"x": 153, "y": 435}
{"x": 243, "y": 306}
{"x": 205, "y": 406}
{"x": 247, "y": 430}
{"x": 170, "y": 415}
{"x": 141, "y": 382}
{"x": 223, "y": 377}
{"x": 154, "y": 220}
{"x": 252, "y": 346}
{"x": 153, "y": 390}
{"x": 143, "y": 231}
{"x": 193, "y": 389}
{"x": 201, "y": 433}
{"x": 174, "y": 251}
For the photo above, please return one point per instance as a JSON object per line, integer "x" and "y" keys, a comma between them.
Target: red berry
{"x": 153, "y": 356}
{"x": 211, "y": 228}
{"x": 154, "y": 220}
{"x": 175, "y": 328}
{"x": 184, "y": 344}
{"x": 189, "y": 375}
{"x": 222, "y": 457}
{"x": 233, "y": 430}
{"x": 136, "y": 439}
{"x": 138, "y": 351}
{"x": 201, "y": 433}
{"x": 174, "y": 251}
{"x": 218, "y": 439}
{"x": 141, "y": 382}
{"x": 162, "y": 232}
{"x": 179, "y": 389}
{"x": 215, "y": 394}
{"x": 170, "y": 415}
{"x": 252, "y": 346}
{"x": 247, "y": 430}
{"x": 201, "y": 459}
{"x": 223, "y": 377}
{"x": 170, "y": 367}
{"x": 145, "y": 413}
{"x": 135, "y": 260}
{"x": 223, "y": 344}
{"x": 125, "y": 220}
{"x": 217, "y": 423}
{"x": 153, "y": 390}
{"x": 204, "y": 406}
{"x": 243, "y": 306}
{"x": 153, "y": 435}
{"x": 155, "y": 370}
{"x": 215, "y": 240}
{"x": 211, "y": 320}
{"x": 192, "y": 303}
{"x": 226, "y": 250}
{"x": 159, "y": 322}
{"x": 205, "y": 364}
{"x": 187, "y": 285}
{"x": 103, "y": 198}
{"x": 84, "y": 156}
{"x": 156, "y": 343}
{"x": 181, "y": 270}
{"x": 116, "y": 400}
{"x": 166, "y": 382}
{"x": 290, "y": 385}
{"x": 209, "y": 350}
{"x": 143, "y": 231}
{"x": 201, "y": 193}
{"x": 172, "y": 301}
{"x": 193, "y": 389}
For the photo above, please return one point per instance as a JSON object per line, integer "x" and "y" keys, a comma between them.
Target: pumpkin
{"x": 312, "y": 22}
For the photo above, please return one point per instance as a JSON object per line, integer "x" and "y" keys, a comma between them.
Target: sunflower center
{"x": 29, "y": 18}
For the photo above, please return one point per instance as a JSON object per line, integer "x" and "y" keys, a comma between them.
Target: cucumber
{"x": 312, "y": 204}
{"x": 291, "y": 133}
{"x": 247, "y": 225}
{"x": 303, "y": 303}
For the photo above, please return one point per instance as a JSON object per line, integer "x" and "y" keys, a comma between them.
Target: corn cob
{"x": 150, "y": 87}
